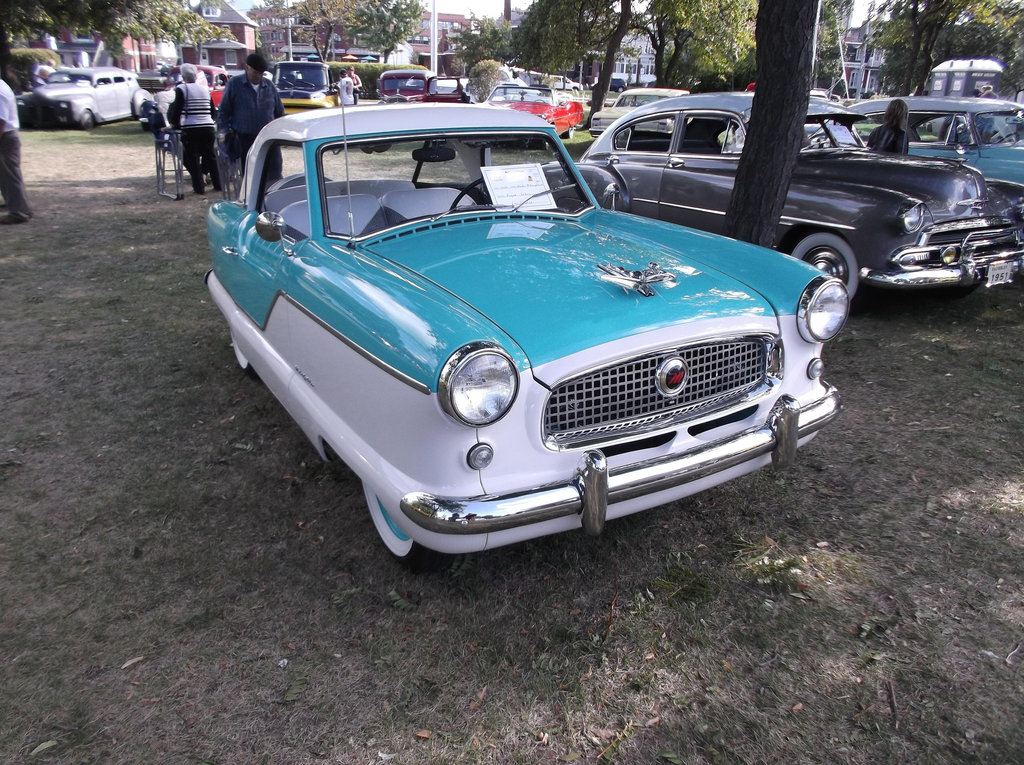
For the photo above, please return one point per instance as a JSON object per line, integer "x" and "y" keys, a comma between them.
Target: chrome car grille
{"x": 982, "y": 237}
{"x": 624, "y": 399}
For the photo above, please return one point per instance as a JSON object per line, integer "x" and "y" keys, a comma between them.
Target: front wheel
{"x": 830, "y": 255}
{"x": 570, "y": 133}
{"x": 415, "y": 556}
{"x": 87, "y": 120}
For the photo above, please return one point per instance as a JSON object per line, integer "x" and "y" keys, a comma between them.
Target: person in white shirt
{"x": 12, "y": 186}
{"x": 347, "y": 90}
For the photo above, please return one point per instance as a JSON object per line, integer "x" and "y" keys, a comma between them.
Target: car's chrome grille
{"x": 624, "y": 398}
{"x": 983, "y": 237}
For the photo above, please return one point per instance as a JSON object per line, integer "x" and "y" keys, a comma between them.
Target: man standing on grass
{"x": 249, "y": 102}
{"x": 11, "y": 184}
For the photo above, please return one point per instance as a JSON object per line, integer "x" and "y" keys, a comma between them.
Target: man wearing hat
{"x": 250, "y": 101}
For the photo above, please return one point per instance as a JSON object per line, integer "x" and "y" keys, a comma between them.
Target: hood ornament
{"x": 640, "y": 281}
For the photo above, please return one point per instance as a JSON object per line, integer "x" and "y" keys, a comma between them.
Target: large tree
{"x": 690, "y": 36}
{"x": 910, "y": 34}
{"x": 483, "y": 39}
{"x": 383, "y": 25}
{"x": 140, "y": 19}
{"x": 556, "y": 34}
{"x": 315, "y": 22}
{"x": 784, "y": 37}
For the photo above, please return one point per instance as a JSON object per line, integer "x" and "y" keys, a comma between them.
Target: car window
{"x": 1000, "y": 127}
{"x": 653, "y": 135}
{"x": 929, "y": 128}
{"x": 283, "y": 188}
{"x": 703, "y": 135}
{"x": 102, "y": 81}
{"x": 118, "y": 80}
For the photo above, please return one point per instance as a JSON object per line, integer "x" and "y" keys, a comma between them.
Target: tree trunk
{"x": 783, "y": 36}
{"x": 614, "y": 43}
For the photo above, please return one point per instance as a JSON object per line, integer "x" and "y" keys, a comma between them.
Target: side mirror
{"x": 610, "y": 196}
{"x": 269, "y": 226}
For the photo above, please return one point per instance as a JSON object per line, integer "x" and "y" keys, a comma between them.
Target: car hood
{"x": 536, "y": 277}
{"x": 939, "y": 183}
{"x": 62, "y": 90}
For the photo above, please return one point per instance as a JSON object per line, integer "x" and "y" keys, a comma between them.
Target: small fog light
{"x": 815, "y": 369}
{"x": 480, "y": 456}
{"x": 949, "y": 255}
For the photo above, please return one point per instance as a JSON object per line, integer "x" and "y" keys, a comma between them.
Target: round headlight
{"x": 823, "y": 309}
{"x": 913, "y": 218}
{"x": 478, "y": 384}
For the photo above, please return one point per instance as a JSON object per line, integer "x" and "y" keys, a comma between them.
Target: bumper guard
{"x": 589, "y": 492}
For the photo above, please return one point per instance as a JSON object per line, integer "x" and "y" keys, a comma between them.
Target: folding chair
{"x": 169, "y": 168}
{"x": 230, "y": 171}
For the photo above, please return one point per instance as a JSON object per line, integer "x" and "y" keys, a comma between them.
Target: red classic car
{"x": 419, "y": 85}
{"x": 557, "y": 107}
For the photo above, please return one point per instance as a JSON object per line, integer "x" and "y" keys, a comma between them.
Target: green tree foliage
{"x": 483, "y": 39}
{"x": 140, "y": 19}
{"x": 384, "y": 24}
{"x": 483, "y": 76}
{"x": 315, "y": 22}
{"x": 998, "y": 34}
{"x": 910, "y": 34}
{"x": 695, "y": 40}
{"x": 556, "y": 34}
{"x": 828, "y": 60}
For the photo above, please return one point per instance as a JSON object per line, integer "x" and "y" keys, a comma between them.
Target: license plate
{"x": 1000, "y": 273}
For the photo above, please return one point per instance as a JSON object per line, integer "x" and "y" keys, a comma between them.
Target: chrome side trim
{"x": 594, "y": 486}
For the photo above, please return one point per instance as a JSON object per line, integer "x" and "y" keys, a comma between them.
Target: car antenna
{"x": 348, "y": 180}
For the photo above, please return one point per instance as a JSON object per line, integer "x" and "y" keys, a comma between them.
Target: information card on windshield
{"x": 514, "y": 185}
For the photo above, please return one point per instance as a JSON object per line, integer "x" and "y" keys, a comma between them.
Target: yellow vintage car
{"x": 305, "y": 85}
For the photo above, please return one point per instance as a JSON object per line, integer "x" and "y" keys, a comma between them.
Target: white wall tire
{"x": 831, "y": 255}
{"x": 409, "y": 553}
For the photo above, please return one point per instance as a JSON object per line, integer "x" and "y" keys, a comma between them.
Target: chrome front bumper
{"x": 966, "y": 273}
{"x": 595, "y": 486}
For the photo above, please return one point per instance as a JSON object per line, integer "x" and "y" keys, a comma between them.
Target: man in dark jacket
{"x": 250, "y": 101}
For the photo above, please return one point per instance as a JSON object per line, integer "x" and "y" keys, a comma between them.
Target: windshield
{"x": 75, "y": 77}
{"x": 1000, "y": 127}
{"x": 301, "y": 77}
{"x": 825, "y": 133}
{"x": 631, "y": 100}
{"x": 528, "y": 95}
{"x": 428, "y": 176}
{"x": 405, "y": 83}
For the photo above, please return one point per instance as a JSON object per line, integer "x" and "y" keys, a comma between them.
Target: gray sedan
{"x": 884, "y": 221}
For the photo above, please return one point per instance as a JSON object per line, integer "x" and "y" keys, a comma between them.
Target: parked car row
{"x": 82, "y": 97}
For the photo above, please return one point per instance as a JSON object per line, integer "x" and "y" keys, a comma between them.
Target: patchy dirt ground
{"x": 181, "y": 580}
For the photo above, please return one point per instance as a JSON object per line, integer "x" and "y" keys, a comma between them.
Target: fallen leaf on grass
{"x": 128, "y": 663}
{"x": 43, "y": 747}
{"x": 603, "y": 733}
{"x": 798, "y": 707}
{"x": 424, "y": 734}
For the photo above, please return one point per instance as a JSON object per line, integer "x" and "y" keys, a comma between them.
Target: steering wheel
{"x": 478, "y": 197}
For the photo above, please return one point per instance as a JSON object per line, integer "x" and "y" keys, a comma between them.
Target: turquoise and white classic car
{"x": 436, "y": 297}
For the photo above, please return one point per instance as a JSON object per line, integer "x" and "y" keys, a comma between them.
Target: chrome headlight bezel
{"x": 913, "y": 218}
{"x": 823, "y": 309}
{"x": 478, "y": 384}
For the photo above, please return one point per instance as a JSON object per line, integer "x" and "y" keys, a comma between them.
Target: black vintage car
{"x": 879, "y": 220}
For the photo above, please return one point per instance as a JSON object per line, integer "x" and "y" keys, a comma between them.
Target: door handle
{"x": 676, "y": 163}
{"x": 233, "y": 251}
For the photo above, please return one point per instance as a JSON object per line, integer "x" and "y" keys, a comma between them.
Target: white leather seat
{"x": 419, "y": 203}
{"x": 367, "y": 215}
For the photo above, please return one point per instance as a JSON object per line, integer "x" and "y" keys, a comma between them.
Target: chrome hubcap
{"x": 829, "y": 261}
